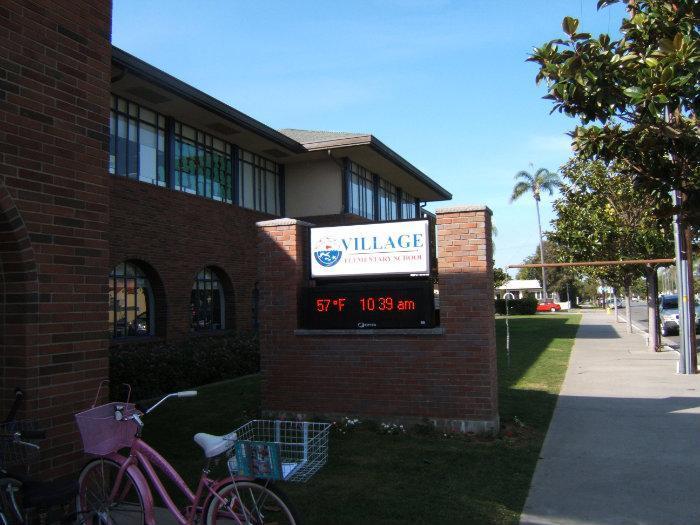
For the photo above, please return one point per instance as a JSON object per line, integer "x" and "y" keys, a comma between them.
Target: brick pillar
{"x": 55, "y": 69}
{"x": 281, "y": 274}
{"x": 465, "y": 266}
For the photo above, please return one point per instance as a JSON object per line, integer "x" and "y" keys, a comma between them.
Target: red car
{"x": 548, "y": 307}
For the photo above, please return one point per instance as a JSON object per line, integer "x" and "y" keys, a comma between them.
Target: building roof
{"x": 304, "y": 136}
{"x": 152, "y": 74}
{"x": 521, "y": 284}
{"x": 293, "y": 141}
{"x": 315, "y": 140}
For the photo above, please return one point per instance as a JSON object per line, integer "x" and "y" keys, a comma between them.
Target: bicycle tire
{"x": 270, "y": 506}
{"x": 11, "y": 510}
{"x": 95, "y": 485}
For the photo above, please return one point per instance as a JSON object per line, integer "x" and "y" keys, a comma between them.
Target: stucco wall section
{"x": 313, "y": 188}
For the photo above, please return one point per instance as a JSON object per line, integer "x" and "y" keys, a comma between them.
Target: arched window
{"x": 207, "y": 302}
{"x": 131, "y": 302}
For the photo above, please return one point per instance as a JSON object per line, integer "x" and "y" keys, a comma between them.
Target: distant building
{"x": 521, "y": 288}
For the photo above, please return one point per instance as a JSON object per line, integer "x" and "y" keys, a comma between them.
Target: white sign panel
{"x": 370, "y": 249}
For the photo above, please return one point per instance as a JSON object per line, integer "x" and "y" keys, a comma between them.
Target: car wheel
{"x": 552, "y": 309}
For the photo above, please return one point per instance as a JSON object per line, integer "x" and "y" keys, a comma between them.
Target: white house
{"x": 521, "y": 288}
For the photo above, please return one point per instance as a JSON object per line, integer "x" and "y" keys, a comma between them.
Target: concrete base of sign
{"x": 452, "y": 426}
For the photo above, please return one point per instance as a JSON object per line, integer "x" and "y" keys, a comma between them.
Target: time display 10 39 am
{"x": 370, "y": 306}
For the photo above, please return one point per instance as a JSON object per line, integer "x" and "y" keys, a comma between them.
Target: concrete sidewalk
{"x": 623, "y": 446}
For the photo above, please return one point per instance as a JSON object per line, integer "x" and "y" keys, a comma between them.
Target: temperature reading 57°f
{"x": 383, "y": 304}
{"x": 324, "y": 304}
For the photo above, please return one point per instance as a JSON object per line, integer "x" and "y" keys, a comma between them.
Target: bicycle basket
{"x": 287, "y": 450}
{"x": 13, "y": 453}
{"x": 101, "y": 433}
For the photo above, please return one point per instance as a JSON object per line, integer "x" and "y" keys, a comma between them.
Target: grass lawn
{"x": 419, "y": 476}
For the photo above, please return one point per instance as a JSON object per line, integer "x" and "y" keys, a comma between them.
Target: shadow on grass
{"x": 395, "y": 479}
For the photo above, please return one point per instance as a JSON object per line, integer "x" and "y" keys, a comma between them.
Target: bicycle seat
{"x": 214, "y": 445}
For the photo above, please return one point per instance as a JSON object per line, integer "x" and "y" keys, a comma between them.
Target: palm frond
{"x": 520, "y": 189}
{"x": 547, "y": 180}
{"x": 524, "y": 175}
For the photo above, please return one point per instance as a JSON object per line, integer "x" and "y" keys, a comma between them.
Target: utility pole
{"x": 687, "y": 364}
{"x": 652, "y": 307}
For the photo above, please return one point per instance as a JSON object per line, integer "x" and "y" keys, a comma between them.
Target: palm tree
{"x": 542, "y": 180}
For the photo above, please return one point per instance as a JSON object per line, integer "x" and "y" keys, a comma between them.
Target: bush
{"x": 526, "y": 306}
{"x": 157, "y": 368}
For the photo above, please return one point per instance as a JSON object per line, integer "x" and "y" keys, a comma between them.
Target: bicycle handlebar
{"x": 187, "y": 393}
{"x": 184, "y": 393}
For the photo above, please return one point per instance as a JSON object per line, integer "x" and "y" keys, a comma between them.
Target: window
{"x": 388, "y": 197}
{"x": 258, "y": 183}
{"x": 207, "y": 302}
{"x": 131, "y": 302}
{"x": 136, "y": 142}
{"x": 408, "y": 206}
{"x": 202, "y": 164}
{"x": 360, "y": 191}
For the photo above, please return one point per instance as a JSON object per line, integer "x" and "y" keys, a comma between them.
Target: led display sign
{"x": 389, "y": 248}
{"x": 370, "y": 305}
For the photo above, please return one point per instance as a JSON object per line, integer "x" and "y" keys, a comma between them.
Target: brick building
{"x": 129, "y": 202}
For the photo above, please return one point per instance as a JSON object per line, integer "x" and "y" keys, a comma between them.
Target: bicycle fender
{"x": 141, "y": 486}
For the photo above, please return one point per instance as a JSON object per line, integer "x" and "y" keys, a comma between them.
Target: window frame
{"x": 138, "y": 273}
{"x": 266, "y": 200}
{"x": 122, "y": 109}
{"x": 214, "y": 277}
{"x": 364, "y": 180}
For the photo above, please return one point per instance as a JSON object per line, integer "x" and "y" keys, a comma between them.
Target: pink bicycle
{"x": 115, "y": 489}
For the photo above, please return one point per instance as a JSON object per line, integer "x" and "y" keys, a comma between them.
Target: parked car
{"x": 668, "y": 314}
{"x": 611, "y": 302}
{"x": 548, "y": 306}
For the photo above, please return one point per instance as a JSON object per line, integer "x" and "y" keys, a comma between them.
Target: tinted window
{"x": 669, "y": 302}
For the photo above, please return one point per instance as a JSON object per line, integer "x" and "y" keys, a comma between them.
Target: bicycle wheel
{"x": 95, "y": 503}
{"x": 250, "y": 503}
{"x": 11, "y": 508}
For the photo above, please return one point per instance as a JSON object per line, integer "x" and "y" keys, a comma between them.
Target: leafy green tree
{"x": 564, "y": 281}
{"x": 637, "y": 97}
{"x": 601, "y": 215}
{"x": 542, "y": 180}
{"x": 500, "y": 277}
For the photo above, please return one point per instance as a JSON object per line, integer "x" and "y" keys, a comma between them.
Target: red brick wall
{"x": 449, "y": 378}
{"x": 54, "y": 205}
{"x": 177, "y": 234}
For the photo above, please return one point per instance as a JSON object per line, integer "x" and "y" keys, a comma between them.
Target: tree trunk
{"x": 652, "y": 308}
{"x": 539, "y": 228}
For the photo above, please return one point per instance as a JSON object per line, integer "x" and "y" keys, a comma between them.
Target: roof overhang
{"x": 374, "y": 155}
{"x": 141, "y": 82}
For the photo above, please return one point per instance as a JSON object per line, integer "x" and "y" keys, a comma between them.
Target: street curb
{"x": 665, "y": 343}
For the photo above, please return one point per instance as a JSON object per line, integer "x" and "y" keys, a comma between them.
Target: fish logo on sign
{"x": 327, "y": 252}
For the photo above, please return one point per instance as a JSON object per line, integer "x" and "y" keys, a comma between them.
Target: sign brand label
{"x": 393, "y": 248}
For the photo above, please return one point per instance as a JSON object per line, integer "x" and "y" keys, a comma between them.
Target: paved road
{"x": 639, "y": 317}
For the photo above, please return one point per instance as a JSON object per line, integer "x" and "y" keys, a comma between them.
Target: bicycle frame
{"x": 142, "y": 460}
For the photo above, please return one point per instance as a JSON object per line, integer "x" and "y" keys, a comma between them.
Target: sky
{"x": 443, "y": 83}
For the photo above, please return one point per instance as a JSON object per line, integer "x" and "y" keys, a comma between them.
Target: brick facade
{"x": 173, "y": 235}
{"x": 54, "y": 206}
{"x": 448, "y": 377}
